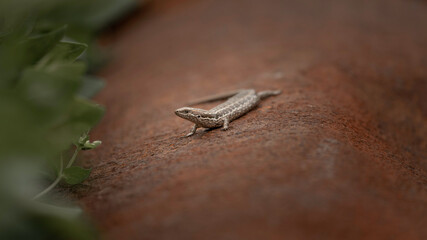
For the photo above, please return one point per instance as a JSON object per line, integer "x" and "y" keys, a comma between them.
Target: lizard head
{"x": 194, "y": 115}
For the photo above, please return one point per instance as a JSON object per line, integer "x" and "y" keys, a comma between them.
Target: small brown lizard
{"x": 239, "y": 103}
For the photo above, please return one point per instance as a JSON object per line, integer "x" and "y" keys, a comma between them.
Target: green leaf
{"x": 87, "y": 112}
{"x": 62, "y": 52}
{"x": 37, "y": 46}
{"x": 75, "y": 175}
{"x": 91, "y": 86}
{"x": 51, "y": 88}
{"x": 67, "y": 70}
{"x": 82, "y": 115}
{"x": 18, "y": 53}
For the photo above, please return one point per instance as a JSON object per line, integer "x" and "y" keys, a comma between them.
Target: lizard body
{"x": 239, "y": 103}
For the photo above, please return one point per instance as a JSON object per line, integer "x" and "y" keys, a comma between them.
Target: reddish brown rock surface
{"x": 340, "y": 154}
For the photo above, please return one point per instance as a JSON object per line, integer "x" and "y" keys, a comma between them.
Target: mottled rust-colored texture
{"x": 340, "y": 154}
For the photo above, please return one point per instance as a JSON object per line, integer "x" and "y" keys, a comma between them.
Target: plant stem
{"x": 73, "y": 158}
{"x": 58, "y": 178}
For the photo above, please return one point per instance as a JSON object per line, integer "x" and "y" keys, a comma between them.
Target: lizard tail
{"x": 266, "y": 94}
{"x": 213, "y": 98}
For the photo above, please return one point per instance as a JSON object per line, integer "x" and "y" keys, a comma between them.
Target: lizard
{"x": 239, "y": 102}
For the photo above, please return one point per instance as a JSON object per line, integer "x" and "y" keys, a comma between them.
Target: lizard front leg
{"x": 226, "y": 122}
{"x": 193, "y": 130}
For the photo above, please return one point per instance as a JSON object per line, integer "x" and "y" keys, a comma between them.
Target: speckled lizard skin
{"x": 239, "y": 103}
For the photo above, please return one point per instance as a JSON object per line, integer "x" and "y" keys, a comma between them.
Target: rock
{"x": 340, "y": 154}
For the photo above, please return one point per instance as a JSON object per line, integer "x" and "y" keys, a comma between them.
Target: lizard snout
{"x": 181, "y": 112}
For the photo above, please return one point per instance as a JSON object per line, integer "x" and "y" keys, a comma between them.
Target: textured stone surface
{"x": 340, "y": 154}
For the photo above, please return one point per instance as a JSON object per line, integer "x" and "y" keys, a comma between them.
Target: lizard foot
{"x": 190, "y": 134}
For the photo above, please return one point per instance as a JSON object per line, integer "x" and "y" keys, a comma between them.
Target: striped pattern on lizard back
{"x": 238, "y": 103}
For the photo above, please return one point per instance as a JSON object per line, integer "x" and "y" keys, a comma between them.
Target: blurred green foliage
{"x": 45, "y": 109}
